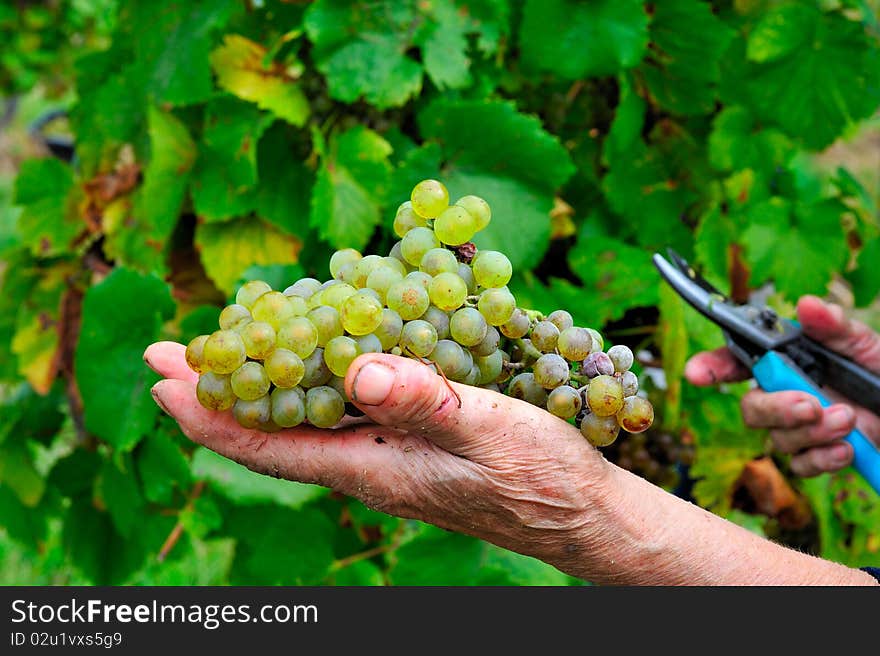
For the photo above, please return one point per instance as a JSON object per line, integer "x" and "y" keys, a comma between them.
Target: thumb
{"x": 406, "y": 394}
{"x": 827, "y": 323}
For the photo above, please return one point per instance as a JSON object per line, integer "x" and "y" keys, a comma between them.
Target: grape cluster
{"x": 279, "y": 358}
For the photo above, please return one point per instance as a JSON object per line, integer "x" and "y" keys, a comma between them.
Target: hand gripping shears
{"x": 780, "y": 356}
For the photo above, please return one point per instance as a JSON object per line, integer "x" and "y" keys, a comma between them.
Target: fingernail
{"x": 804, "y": 410}
{"x": 839, "y": 455}
{"x": 158, "y": 399}
{"x": 839, "y": 418}
{"x": 372, "y": 384}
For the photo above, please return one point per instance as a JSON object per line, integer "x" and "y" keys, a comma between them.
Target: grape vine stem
{"x": 177, "y": 531}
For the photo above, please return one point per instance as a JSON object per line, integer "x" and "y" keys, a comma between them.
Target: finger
{"x": 466, "y": 420}
{"x": 821, "y": 459}
{"x": 363, "y": 461}
{"x": 168, "y": 360}
{"x": 828, "y": 323}
{"x": 835, "y": 423}
{"x": 711, "y": 367}
{"x": 779, "y": 409}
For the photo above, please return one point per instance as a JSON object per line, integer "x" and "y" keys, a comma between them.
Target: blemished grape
{"x": 598, "y": 363}
{"x": 280, "y": 358}
{"x": 429, "y": 198}
{"x": 250, "y": 292}
{"x": 492, "y": 269}
{"x": 214, "y": 391}
{"x": 621, "y": 356}
{"x": 284, "y": 367}
{"x": 250, "y": 381}
{"x": 223, "y": 352}
{"x": 288, "y": 406}
{"x": 455, "y": 226}
{"x": 599, "y": 430}
{"x": 551, "y": 371}
{"x": 339, "y": 353}
{"x": 564, "y": 401}
{"x": 605, "y": 395}
{"x": 418, "y": 338}
{"x": 195, "y": 352}
{"x": 636, "y": 415}
{"x": 234, "y": 317}
{"x": 325, "y": 407}
{"x": 478, "y": 208}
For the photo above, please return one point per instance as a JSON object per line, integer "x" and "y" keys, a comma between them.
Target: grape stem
{"x": 527, "y": 348}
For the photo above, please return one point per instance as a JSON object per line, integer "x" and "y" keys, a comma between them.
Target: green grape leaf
{"x": 226, "y": 169}
{"x": 511, "y": 568}
{"x": 162, "y": 467}
{"x": 350, "y": 188}
{"x": 285, "y": 184}
{"x": 120, "y": 493}
{"x": 615, "y": 276}
{"x": 241, "y": 486}
{"x": 228, "y": 248}
{"x": 203, "y": 517}
{"x": 714, "y": 237}
{"x": 278, "y": 276}
{"x": 814, "y": 74}
{"x": 74, "y": 474}
{"x": 19, "y": 473}
{"x": 361, "y": 573}
{"x": 421, "y": 163}
{"x": 738, "y": 142}
{"x": 279, "y": 546}
{"x": 361, "y": 49}
{"x": 138, "y": 236}
{"x": 24, "y": 524}
{"x": 865, "y": 278}
{"x": 38, "y": 327}
{"x": 112, "y": 377}
{"x": 49, "y": 221}
{"x": 25, "y": 412}
{"x": 813, "y": 231}
{"x": 682, "y": 69}
{"x": 241, "y": 69}
{"x": 493, "y": 151}
{"x": 437, "y": 557}
{"x": 583, "y": 39}
{"x": 167, "y": 33}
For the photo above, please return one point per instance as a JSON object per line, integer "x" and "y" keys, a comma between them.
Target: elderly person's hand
{"x": 478, "y": 462}
{"x": 798, "y": 424}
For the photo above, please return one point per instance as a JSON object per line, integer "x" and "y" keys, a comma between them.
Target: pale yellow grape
{"x": 421, "y": 277}
{"x": 406, "y": 219}
{"x": 364, "y": 267}
{"x": 299, "y": 335}
{"x": 478, "y": 208}
{"x": 250, "y": 292}
{"x": 438, "y": 260}
{"x": 381, "y": 278}
{"x": 418, "y": 338}
{"x": 224, "y": 351}
{"x": 455, "y": 226}
{"x": 195, "y": 353}
{"x": 214, "y": 391}
{"x": 234, "y": 317}
{"x": 389, "y": 329}
{"x": 284, "y": 368}
{"x": 468, "y": 326}
{"x": 408, "y": 298}
{"x": 288, "y": 406}
{"x": 447, "y": 291}
{"x": 250, "y": 381}
{"x": 439, "y": 319}
{"x": 564, "y": 401}
{"x": 517, "y": 326}
{"x": 429, "y": 198}
{"x": 325, "y": 407}
{"x": 599, "y": 430}
{"x": 339, "y": 353}
{"x": 635, "y": 415}
{"x": 361, "y": 314}
{"x": 544, "y": 335}
{"x": 336, "y": 295}
{"x": 259, "y": 339}
{"x": 466, "y": 274}
{"x": 561, "y": 319}
{"x": 304, "y": 288}
{"x": 492, "y": 269}
{"x": 416, "y": 243}
{"x": 497, "y": 305}
{"x": 274, "y": 308}
{"x": 253, "y": 413}
{"x": 574, "y": 343}
{"x": 605, "y": 395}
{"x": 396, "y": 264}
{"x": 341, "y": 258}
{"x": 327, "y": 322}
{"x": 550, "y": 371}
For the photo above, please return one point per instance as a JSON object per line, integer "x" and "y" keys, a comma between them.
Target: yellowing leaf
{"x": 239, "y": 67}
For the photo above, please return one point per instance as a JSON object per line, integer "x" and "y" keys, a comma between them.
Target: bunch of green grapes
{"x": 279, "y": 358}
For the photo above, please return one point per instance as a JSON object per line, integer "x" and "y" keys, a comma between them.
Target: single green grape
{"x": 564, "y": 401}
{"x": 250, "y": 381}
{"x": 364, "y": 267}
{"x": 259, "y": 339}
{"x": 288, "y": 406}
{"x": 635, "y": 415}
{"x": 490, "y": 366}
{"x": 517, "y": 326}
{"x": 574, "y": 343}
{"x": 468, "y": 326}
{"x": 621, "y": 356}
{"x": 523, "y": 386}
{"x": 488, "y": 344}
{"x": 234, "y": 317}
{"x": 497, "y": 305}
{"x": 304, "y": 288}
{"x": 479, "y": 209}
{"x": 336, "y": 295}
{"x": 551, "y": 371}
{"x": 223, "y": 352}
{"x": 467, "y": 274}
{"x": 361, "y": 314}
{"x": 447, "y": 291}
{"x": 369, "y": 343}
{"x": 327, "y": 322}
{"x": 339, "y": 353}
{"x": 599, "y": 430}
{"x": 214, "y": 391}
{"x": 408, "y": 298}
{"x": 316, "y": 370}
{"x": 429, "y": 198}
{"x": 451, "y": 358}
{"x": 341, "y": 258}
{"x": 418, "y": 338}
{"x": 389, "y": 329}
{"x": 544, "y": 335}
{"x": 298, "y": 335}
{"x": 438, "y": 260}
{"x": 195, "y": 353}
{"x": 416, "y": 243}
{"x": 455, "y": 226}
{"x": 284, "y": 368}
{"x": 274, "y": 308}
{"x": 325, "y": 407}
{"x": 253, "y": 413}
{"x": 381, "y": 278}
{"x": 492, "y": 269}
{"x": 439, "y": 319}
{"x": 250, "y": 292}
{"x": 605, "y": 395}
{"x": 561, "y": 319}
{"x": 406, "y": 219}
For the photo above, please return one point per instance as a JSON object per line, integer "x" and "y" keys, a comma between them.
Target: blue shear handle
{"x": 777, "y": 373}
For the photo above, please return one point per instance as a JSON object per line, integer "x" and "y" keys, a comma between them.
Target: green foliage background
{"x": 222, "y": 140}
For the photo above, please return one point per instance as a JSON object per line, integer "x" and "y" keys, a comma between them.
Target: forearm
{"x": 643, "y": 535}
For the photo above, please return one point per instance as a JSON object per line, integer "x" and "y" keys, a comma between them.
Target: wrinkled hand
{"x": 493, "y": 467}
{"x": 798, "y": 424}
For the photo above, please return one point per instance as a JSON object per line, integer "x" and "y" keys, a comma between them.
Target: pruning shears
{"x": 779, "y": 355}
